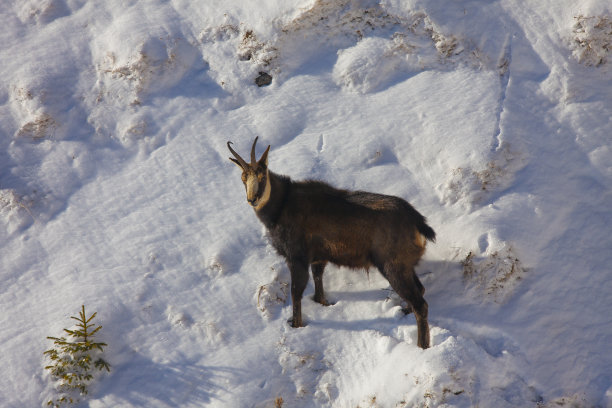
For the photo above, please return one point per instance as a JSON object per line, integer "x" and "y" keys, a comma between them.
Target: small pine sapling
{"x": 72, "y": 360}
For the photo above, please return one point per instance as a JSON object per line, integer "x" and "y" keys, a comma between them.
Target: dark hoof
{"x": 292, "y": 324}
{"x": 324, "y": 302}
{"x": 407, "y": 310}
{"x": 423, "y": 344}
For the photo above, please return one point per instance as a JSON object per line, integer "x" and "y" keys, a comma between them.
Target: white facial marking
{"x": 252, "y": 186}
{"x": 266, "y": 194}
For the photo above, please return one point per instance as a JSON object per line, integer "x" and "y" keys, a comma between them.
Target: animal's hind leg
{"x": 418, "y": 283}
{"x": 299, "y": 280}
{"x": 317, "y": 276}
{"x": 408, "y": 310}
{"x": 403, "y": 280}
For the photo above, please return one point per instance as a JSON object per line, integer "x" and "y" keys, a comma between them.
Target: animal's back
{"x": 320, "y": 200}
{"x": 381, "y": 202}
{"x": 349, "y": 227}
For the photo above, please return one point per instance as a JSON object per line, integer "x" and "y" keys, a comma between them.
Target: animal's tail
{"x": 426, "y": 231}
{"x": 420, "y": 222}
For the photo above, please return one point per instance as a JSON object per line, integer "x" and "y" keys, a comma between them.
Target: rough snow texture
{"x": 592, "y": 39}
{"x": 116, "y": 192}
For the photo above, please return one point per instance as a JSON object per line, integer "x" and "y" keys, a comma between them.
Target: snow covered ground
{"x": 492, "y": 118}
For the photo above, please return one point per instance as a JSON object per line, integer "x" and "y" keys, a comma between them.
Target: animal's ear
{"x": 264, "y": 157}
{"x": 237, "y": 163}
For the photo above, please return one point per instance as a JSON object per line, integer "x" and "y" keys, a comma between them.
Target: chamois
{"x": 312, "y": 223}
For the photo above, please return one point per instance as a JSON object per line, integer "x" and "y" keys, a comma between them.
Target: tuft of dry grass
{"x": 495, "y": 275}
{"x": 42, "y": 126}
{"x": 10, "y": 201}
{"x": 592, "y": 39}
{"x": 251, "y": 49}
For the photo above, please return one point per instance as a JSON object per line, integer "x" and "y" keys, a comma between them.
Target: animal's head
{"x": 254, "y": 176}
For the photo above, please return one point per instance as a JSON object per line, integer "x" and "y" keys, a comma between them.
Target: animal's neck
{"x": 276, "y": 191}
{"x": 266, "y": 193}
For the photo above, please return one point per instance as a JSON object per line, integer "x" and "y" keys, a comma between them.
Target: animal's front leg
{"x": 299, "y": 280}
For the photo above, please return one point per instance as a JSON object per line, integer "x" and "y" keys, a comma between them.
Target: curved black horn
{"x": 240, "y": 160}
{"x": 253, "y": 159}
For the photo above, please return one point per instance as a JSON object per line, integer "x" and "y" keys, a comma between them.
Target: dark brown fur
{"x": 311, "y": 223}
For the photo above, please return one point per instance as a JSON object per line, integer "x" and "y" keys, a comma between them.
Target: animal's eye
{"x": 260, "y": 176}
{"x": 244, "y": 177}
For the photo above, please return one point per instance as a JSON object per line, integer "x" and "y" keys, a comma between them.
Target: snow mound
{"x": 154, "y": 66}
{"x": 363, "y": 371}
{"x": 130, "y": 75}
{"x": 273, "y": 295}
{"x": 472, "y": 186}
{"x": 374, "y": 63}
{"x": 15, "y": 210}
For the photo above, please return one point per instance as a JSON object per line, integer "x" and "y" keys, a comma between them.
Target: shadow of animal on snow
{"x": 140, "y": 381}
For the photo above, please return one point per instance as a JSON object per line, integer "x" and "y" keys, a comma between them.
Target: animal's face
{"x": 254, "y": 176}
{"x": 255, "y": 182}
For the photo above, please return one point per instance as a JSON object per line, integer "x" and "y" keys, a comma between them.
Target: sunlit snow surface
{"x": 492, "y": 119}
